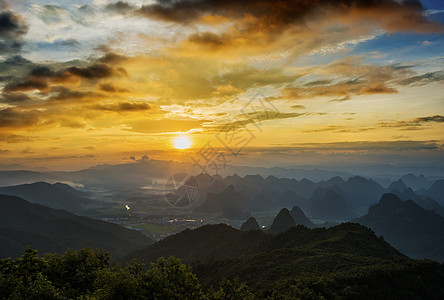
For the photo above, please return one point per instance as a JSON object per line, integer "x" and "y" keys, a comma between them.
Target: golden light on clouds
{"x": 104, "y": 79}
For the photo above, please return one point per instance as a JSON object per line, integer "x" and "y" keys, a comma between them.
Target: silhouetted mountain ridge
{"x": 49, "y": 230}
{"x": 58, "y": 196}
{"x": 408, "y": 227}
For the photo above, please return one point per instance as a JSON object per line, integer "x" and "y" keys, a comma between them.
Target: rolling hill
{"x": 57, "y": 196}
{"x": 48, "y": 230}
{"x": 218, "y": 251}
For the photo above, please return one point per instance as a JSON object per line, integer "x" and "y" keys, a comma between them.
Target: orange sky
{"x": 92, "y": 82}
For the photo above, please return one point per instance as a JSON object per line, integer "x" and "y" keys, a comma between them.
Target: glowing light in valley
{"x": 127, "y": 207}
{"x": 182, "y": 142}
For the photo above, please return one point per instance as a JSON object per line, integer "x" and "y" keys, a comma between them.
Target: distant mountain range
{"x": 336, "y": 199}
{"x": 58, "y": 196}
{"x": 332, "y": 200}
{"x": 144, "y": 172}
{"x": 411, "y": 229}
{"x": 48, "y": 230}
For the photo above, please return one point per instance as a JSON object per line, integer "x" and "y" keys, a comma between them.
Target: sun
{"x": 182, "y": 142}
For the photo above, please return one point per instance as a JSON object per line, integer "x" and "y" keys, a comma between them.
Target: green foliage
{"x": 75, "y": 272}
{"x": 228, "y": 290}
{"x": 169, "y": 279}
{"x": 25, "y": 279}
{"x": 87, "y": 275}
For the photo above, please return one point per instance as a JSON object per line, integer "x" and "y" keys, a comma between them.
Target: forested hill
{"x": 49, "y": 230}
{"x": 215, "y": 242}
{"x": 344, "y": 262}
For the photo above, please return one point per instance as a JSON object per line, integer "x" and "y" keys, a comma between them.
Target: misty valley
{"x": 255, "y": 232}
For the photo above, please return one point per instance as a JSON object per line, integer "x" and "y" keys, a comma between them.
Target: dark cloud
{"x": 15, "y": 65}
{"x": 278, "y": 15}
{"x": 435, "y": 118}
{"x": 111, "y": 88}
{"x": 11, "y": 30}
{"x": 64, "y": 94}
{"x": 122, "y": 106}
{"x": 210, "y": 39}
{"x": 111, "y": 58}
{"x": 29, "y": 84}
{"x": 318, "y": 82}
{"x": 11, "y": 117}
{"x": 41, "y": 77}
{"x": 424, "y": 78}
{"x": 248, "y": 27}
{"x": 14, "y": 97}
{"x": 42, "y": 71}
{"x": 95, "y": 71}
{"x": 414, "y": 124}
{"x": 10, "y": 46}
{"x": 120, "y": 7}
{"x": 11, "y": 26}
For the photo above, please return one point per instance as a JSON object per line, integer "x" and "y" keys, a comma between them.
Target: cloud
{"x": 14, "y": 97}
{"x": 14, "y": 138}
{"x": 414, "y": 124}
{"x": 435, "y": 118}
{"x": 255, "y": 118}
{"x": 345, "y": 78}
{"x": 343, "y": 89}
{"x": 253, "y": 26}
{"x": 111, "y": 88}
{"x": 244, "y": 77}
{"x": 27, "y": 85}
{"x": 95, "y": 71}
{"x": 41, "y": 77}
{"x": 14, "y": 66}
{"x": 338, "y": 129}
{"x": 63, "y": 94}
{"x": 370, "y": 145}
{"x": 164, "y": 125}
{"x": 419, "y": 80}
{"x": 277, "y": 16}
{"x": 12, "y": 117}
{"x": 12, "y": 28}
{"x": 111, "y": 58}
{"x": 70, "y": 123}
{"x": 51, "y": 14}
{"x": 120, "y": 7}
{"x": 122, "y": 106}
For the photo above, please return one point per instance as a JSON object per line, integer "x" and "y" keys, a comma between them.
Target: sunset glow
{"x": 182, "y": 142}
{"x": 105, "y": 79}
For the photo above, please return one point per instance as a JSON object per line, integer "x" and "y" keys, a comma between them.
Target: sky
{"x": 273, "y": 83}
